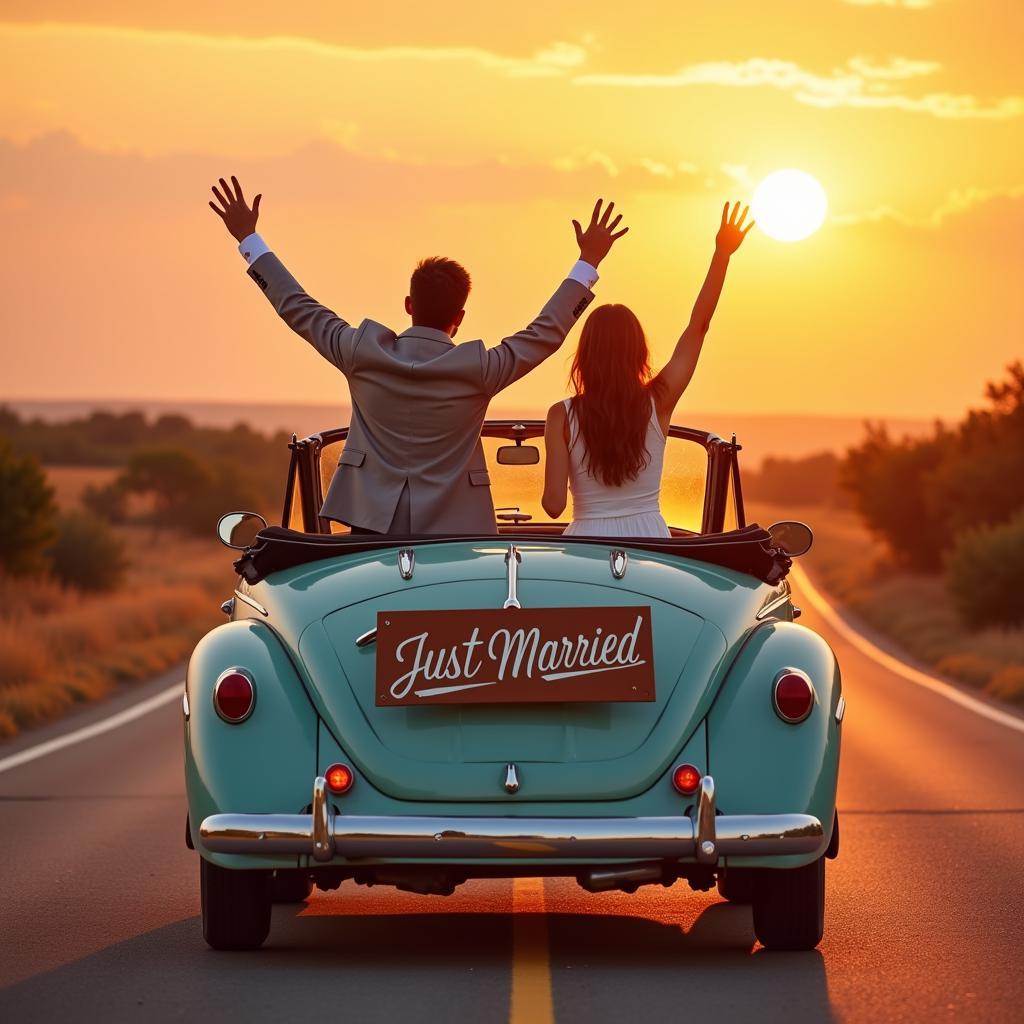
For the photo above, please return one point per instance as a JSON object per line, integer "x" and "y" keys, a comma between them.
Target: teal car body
{"x": 431, "y": 803}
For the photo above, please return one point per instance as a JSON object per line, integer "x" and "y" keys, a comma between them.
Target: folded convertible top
{"x": 748, "y": 550}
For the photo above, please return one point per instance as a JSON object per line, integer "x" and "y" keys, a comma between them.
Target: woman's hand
{"x": 731, "y": 232}
{"x": 238, "y": 218}
{"x": 600, "y": 235}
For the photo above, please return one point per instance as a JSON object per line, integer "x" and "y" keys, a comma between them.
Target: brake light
{"x": 234, "y": 695}
{"x": 686, "y": 779}
{"x": 792, "y": 695}
{"x": 339, "y": 778}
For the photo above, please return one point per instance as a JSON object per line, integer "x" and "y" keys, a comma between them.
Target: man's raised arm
{"x": 521, "y": 352}
{"x": 327, "y": 332}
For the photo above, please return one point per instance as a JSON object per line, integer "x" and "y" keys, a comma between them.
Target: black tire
{"x": 789, "y": 906}
{"x": 292, "y": 886}
{"x": 736, "y": 885}
{"x": 236, "y": 906}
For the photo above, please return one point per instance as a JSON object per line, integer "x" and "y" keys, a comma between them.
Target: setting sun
{"x": 789, "y": 205}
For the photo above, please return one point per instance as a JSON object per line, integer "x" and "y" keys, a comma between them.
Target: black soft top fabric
{"x": 748, "y": 550}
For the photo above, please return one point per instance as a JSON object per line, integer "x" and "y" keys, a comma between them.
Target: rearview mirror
{"x": 791, "y": 537}
{"x": 518, "y": 455}
{"x": 238, "y": 529}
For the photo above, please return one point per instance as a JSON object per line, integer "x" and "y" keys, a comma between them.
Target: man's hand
{"x": 731, "y": 232}
{"x": 238, "y": 218}
{"x": 600, "y": 235}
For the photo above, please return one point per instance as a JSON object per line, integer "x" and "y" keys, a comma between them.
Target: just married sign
{"x": 526, "y": 655}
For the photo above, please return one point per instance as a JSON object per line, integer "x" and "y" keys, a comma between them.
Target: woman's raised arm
{"x": 674, "y": 377}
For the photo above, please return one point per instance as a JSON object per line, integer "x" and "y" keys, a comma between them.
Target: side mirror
{"x": 518, "y": 455}
{"x": 791, "y": 537}
{"x": 238, "y": 529}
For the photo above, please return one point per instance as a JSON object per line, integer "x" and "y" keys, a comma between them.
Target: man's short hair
{"x": 438, "y": 289}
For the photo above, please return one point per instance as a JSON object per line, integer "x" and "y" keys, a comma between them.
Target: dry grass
{"x": 59, "y": 647}
{"x": 911, "y": 609}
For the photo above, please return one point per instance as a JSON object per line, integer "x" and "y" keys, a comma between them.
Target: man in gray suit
{"x": 413, "y": 462}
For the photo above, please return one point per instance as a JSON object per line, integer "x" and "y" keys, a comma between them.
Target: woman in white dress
{"x": 606, "y": 444}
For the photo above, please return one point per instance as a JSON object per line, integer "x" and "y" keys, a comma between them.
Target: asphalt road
{"x": 99, "y": 901}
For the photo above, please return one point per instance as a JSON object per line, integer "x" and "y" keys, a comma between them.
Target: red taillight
{"x": 234, "y": 695}
{"x": 792, "y": 695}
{"x": 686, "y": 778}
{"x": 339, "y": 778}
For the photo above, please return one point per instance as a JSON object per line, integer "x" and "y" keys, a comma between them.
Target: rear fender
{"x": 265, "y": 764}
{"x": 761, "y": 764}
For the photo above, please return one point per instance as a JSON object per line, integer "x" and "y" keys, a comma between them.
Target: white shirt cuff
{"x": 252, "y": 247}
{"x": 581, "y": 271}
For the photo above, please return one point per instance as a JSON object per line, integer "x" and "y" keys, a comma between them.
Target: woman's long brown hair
{"x": 611, "y": 375}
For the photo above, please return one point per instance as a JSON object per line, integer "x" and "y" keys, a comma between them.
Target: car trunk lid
{"x": 563, "y": 751}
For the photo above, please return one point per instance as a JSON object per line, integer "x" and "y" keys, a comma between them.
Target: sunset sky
{"x": 380, "y": 133}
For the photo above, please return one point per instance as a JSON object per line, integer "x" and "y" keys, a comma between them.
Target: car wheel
{"x": 292, "y": 886}
{"x": 736, "y": 885}
{"x": 236, "y": 906}
{"x": 789, "y": 906}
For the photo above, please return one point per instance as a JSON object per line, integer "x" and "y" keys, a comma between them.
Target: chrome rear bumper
{"x": 324, "y": 835}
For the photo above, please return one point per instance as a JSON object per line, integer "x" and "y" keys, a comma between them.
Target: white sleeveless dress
{"x": 630, "y": 510}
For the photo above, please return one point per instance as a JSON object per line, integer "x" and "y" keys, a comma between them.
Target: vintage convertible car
{"x": 419, "y": 711}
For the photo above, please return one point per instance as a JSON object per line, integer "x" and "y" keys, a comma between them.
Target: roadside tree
{"x": 27, "y": 513}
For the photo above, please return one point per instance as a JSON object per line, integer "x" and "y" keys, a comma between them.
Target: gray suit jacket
{"x": 418, "y": 403}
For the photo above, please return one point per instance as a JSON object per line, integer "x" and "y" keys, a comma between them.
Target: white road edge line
{"x": 96, "y": 729}
{"x": 866, "y": 647}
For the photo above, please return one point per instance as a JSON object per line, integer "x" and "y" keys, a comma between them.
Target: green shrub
{"x": 173, "y": 477}
{"x": 888, "y": 481}
{"x": 108, "y": 502}
{"x": 86, "y": 554}
{"x": 920, "y": 494}
{"x": 27, "y": 513}
{"x": 808, "y": 480}
{"x": 985, "y": 574}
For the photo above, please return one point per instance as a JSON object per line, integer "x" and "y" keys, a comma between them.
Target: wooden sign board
{"x": 514, "y": 656}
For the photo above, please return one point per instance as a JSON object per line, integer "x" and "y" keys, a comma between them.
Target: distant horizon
{"x": 762, "y": 435}
{"x": 145, "y": 402}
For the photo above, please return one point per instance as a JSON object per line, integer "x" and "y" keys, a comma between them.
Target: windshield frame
{"x": 723, "y": 469}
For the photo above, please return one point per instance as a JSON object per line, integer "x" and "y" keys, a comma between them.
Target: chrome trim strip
{"x": 324, "y": 835}
{"x": 251, "y": 603}
{"x": 840, "y": 709}
{"x": 406, "y": 563}
{"x": 704, "y": 828}
{"x": 512, "y": 560}
{"x": 618, "y": 560}
{"x": 367, "y": 638}
{"x": 774, "y": 602}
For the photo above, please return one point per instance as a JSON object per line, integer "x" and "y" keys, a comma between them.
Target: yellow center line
{"x": 531, "y": 966}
